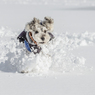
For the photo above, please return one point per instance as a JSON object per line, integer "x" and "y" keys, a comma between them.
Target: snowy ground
{"x": 71, "y": 66}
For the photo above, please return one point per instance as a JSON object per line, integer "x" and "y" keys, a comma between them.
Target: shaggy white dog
{"x": 40, "y": 30}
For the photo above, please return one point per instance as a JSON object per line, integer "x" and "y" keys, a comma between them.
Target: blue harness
{"x": 27, "y": 46}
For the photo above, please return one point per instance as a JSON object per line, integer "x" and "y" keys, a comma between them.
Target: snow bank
{"x": 55, "y": 56}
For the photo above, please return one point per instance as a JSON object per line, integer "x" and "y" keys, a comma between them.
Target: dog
{"x": 36, "y": 33}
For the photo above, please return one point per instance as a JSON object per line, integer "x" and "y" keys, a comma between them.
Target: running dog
{"x": 36, "y": 33}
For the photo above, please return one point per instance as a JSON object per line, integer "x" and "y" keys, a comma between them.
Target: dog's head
{"x": 40, "y": 34}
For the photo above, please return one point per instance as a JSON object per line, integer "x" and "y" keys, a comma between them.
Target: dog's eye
{"x": 45, "y": 31}
{"x": 36, "y": 32}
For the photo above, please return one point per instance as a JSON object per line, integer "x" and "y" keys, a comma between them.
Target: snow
{"x": 65, "y": 65}
{"x": 55, "y": 56}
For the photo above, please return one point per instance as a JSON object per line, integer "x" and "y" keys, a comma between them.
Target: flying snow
{"x": 54, "y": 57}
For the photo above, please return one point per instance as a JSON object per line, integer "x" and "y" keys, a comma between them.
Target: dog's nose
{"x": 42, "y": 38}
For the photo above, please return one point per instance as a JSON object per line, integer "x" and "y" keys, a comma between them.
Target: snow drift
{"x": 54, "y": 57}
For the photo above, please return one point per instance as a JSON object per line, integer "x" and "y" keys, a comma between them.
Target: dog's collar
{"x": 30, "y": 35}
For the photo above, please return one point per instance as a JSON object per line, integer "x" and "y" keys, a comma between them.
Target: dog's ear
{"x": 36, "y": 20}
{"x": 49, "y": 20}
{"x": 46, "y": 18}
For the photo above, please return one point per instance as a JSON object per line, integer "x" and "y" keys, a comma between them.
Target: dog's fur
{"x": 40, "y": 32}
